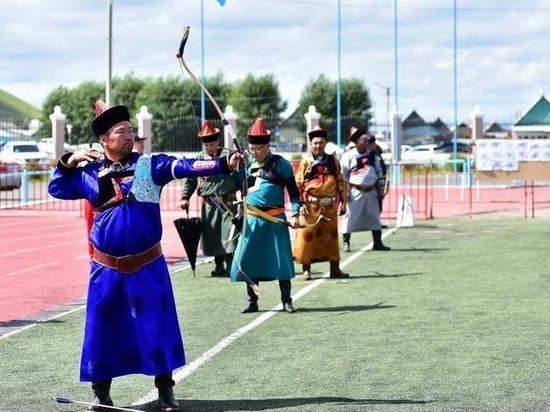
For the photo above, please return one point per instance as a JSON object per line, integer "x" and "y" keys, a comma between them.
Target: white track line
{"x": 42, "y": 321}
{"x": 191, "y": 367}
{"x": 5, "y": 275}
{"x": 34, "y": 249}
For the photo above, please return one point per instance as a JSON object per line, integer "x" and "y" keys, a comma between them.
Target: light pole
{"x": 396, "y": 144}
{"x": 338, "y": 81}
{"x": 388, "y": 120}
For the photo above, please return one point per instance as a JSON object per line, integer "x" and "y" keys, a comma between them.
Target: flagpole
{"x": 108, "y": 85}
{"x": 455, "y": 91}
{"x": 338, "y": 85}
{"x": 203, "y": 101}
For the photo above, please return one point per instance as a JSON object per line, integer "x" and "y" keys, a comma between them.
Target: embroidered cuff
{"x": 62, "y": 163}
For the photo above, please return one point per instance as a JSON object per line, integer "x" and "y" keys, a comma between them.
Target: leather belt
{"x": 271, "y": 212}
{"x": 362, "y": 188}
{"x": 323, "y": 201}
{"x": 129, "y": 263}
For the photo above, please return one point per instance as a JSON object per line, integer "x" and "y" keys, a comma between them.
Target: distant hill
{"x": 11, "y": 106}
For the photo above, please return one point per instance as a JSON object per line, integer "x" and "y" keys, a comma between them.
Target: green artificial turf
{"x": 455, "y": 318}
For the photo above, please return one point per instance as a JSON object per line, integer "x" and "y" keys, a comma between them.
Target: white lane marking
{"x": 29, "y": 269}
{"x": 41, "y": 321}
{"x": 191, "y": 367}
{"x": 47, "y": 235}
{"x": 34, "y": 249}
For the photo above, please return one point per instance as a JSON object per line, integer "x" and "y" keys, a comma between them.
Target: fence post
{"x": 24, "y": 191}
{"x": 58, "y": 131}
{"x": 313, "y": 118}
{"x": 145, "y": 120}
{"x": 231, "y": 117}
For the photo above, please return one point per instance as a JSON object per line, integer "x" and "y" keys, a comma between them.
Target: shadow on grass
{"x": 419, "y": 249}
{"x": 353, "y": 308}
{"x": 20, "y": 323}
{"x": 266, "y": 404}
{"x": 17, "y": 323}
{"x": 379, "y": 275}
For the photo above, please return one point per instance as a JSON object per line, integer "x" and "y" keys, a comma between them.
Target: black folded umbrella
{"x": 190, "y": 230}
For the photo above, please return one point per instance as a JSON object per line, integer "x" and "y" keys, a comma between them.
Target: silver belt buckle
{"x": 326, "y": 201}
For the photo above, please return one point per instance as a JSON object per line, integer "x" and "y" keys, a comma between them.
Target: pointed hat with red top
{"x": 106, "y": 117}
{"x": 209, "y": 133}
{"x": 258, "y": 133}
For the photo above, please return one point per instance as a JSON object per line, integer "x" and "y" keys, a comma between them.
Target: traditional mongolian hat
{"x": 317, "y": 131}
{"x": 258, "y": 134}
{"x": 356, "y": 133}
{"x": 209, "y": 133}
{"x": 106, "y": 117}
{"x": 138, "y": 138}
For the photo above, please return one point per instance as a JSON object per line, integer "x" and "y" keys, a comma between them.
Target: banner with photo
{"x": 505, "y": 154}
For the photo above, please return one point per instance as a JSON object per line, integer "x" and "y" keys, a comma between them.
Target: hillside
{"x": 11, "y": 106}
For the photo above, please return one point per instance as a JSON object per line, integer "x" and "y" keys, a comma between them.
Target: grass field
{"x": 455, "y": 318}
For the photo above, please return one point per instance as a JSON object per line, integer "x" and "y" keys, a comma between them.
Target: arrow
{"x": 116, "y": 408}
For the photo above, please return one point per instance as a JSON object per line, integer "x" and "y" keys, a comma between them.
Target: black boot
{"x": 377, "y": 241}
{"x": 251, "y": 300}
{"x": 285, "y": 287}
{"x": 167, "y": 400}
{"x": 346, "y": 238}
{"x": 219, "y": 270}
{"x": 335, "y": 271}
{"x": 306, "y": 274}
{"x": 228, "y": 262}
{"x": 102, "y": 396}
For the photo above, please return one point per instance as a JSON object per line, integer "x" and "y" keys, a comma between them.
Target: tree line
{"x": 170, "y": 98}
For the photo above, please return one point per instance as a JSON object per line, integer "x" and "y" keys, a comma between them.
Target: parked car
{"x": 46, "y": 145}
{"x": 425, "y": 153}
{"x": 10, "y": 175}
{"x": 24, "y": 152}
{"x": 448, "y": 147}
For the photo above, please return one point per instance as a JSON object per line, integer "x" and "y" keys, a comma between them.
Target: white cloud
{"x": 502, "y": 53}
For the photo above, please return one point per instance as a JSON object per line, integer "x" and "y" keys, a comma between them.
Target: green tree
{"x": 321, "y": 92}
{"x": 355, "y": 103}
{"x": 220, "y": 91}
{"x": 78, "y": 105}
{"x": 256, "y": 96}
{"x": 125, "y": 90}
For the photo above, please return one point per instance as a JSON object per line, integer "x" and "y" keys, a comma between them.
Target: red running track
{"x": 44, "y": 255}
{"x": 44, "y": 260}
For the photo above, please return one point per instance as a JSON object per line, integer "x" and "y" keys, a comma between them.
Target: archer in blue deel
{"x": 264, "y": 252}
{"x": 131, "y": 320}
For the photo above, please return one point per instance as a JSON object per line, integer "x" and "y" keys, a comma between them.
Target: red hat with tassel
{"x": 258, "y": 133}
{"x": 208, "y": 132}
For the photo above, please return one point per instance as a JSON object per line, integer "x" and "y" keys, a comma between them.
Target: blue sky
{"x": 503, "y": 54}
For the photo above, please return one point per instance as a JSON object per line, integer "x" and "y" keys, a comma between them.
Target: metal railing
{"x": 434, "y": 193}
